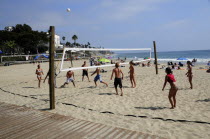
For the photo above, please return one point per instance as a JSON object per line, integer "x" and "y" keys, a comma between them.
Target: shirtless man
{"x": 39, "y": 73}
{"x": 98, "y": 76}
{"x": 69, "y": 75}
{"x": 85, "y": 72}
{"x": 132, "y": 77}
{"x": 118, "y": 79}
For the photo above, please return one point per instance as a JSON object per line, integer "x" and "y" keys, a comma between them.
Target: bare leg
{"x": 174, "y": 97}
{"x": 116, "y": 90}
{"x": 121, "y": 92}
{"x": 190, "y": 80}
{"x": 104, "y": 83}
{"x": 82, "y": 78}
{"x": 88, "y": 78}
{"x": 73, "y": 83}
{"x": 134, "y": 81}
{"x": 131, "y": 81}
{"x": 39, "y": 83}
{"x": 95, "y": 83}
{"x": 64, "y": 84}
{"x": 170, "y": 100}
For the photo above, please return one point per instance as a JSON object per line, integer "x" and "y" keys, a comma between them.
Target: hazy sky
{"x": 173, "y": 24}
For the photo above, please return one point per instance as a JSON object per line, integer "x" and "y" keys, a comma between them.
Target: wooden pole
{"x": 51, "y": 68}
{"x": 71, "y": 59}
{"x": 156, "y": 64}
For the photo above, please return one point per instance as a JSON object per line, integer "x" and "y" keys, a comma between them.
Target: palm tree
{"x": 74, "y": 37}
{"x": 63, "y": 38}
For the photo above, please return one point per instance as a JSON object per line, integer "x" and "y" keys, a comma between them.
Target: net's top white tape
{"x": 93, "y": 49}
{"x": 109, "y": 65}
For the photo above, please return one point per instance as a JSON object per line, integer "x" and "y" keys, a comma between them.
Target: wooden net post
{"x": 155, "y": 53}
{"x": 51, "y": 68}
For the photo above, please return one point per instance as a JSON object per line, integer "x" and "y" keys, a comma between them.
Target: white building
{"x": 8, "y": 28}
{"x": 58, "y": 42}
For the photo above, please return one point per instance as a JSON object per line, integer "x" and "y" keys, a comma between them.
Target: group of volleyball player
{"x": 117, "y": 72}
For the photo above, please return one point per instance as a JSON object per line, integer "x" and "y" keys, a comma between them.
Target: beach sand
{"x": 144, "y": 108}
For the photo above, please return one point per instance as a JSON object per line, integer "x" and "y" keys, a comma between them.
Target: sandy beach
{"x": 144, "y": 108}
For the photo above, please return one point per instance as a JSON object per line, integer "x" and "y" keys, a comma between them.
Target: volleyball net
{"x": 72, "y": 50}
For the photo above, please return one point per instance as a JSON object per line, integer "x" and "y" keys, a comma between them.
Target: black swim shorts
{"x": 84, "y": 73}
{"x": 118, "y": 81}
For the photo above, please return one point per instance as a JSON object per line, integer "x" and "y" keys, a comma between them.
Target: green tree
{"x": 10, "y": 46}
{"x": 63, "y": 38}
{"x": 74, "y": 37}
{"x": 68, "y": 43}
{"x": 22, "y": 28}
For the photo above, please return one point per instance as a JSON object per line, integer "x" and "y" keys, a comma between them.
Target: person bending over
{"x": 173, "y": 90}
{"x": 39, "y": 73}
{"x": 98, "y": 76}
{"x": 118, "y": 78}
{"x": 69, "y": 76}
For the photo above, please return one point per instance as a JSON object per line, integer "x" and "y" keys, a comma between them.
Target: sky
{"x": 175, "y": 25}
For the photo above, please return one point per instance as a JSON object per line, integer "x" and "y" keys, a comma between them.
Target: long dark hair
{"x": 188, "y": 62}
{"x": 168, "y": 70}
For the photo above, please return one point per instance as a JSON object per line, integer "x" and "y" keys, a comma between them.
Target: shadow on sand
{"x": 28, "y": 87}
{"x": 151, "y": 108}
{"x": 204, "y": 100}
{"x": 45, "y": 109}
{"x": 105, "y": 94}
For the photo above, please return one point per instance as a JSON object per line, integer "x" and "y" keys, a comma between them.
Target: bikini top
{"x": 39, "y": 70}
{"x": 171, "y": 78}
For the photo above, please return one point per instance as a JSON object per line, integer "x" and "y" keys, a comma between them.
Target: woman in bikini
{"x": 132, "y": 78}
{"x": 172, "y": 92}
{"x": 189, "y": 73}
{"x": 39, "y": 73}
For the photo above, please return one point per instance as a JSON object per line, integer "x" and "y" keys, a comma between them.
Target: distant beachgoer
{"x": 208, "y": 71}
{"x": 98, "y": 76}
{"x": 69, "y": 78}
{"x": 173, "y": 90}
{"x": 85, "y": 72}
{"x": 118, "y": 78}
{"x": 91, "y": 61}
{"x": 132, "y": 77}
{"x": 112, "y": 62}
{"x": 148, "y": 64}
{"x": 208, "y": 64}
{"x": 189, "y": 73}
{"x": 39, "y": 73}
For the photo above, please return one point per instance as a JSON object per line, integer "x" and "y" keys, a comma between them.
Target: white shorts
{"x": 69, "y": 80}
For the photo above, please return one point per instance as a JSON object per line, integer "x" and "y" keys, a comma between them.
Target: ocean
{"x": 202, "y": 56}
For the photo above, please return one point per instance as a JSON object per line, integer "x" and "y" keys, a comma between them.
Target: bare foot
{"x": 116, "y": 93}
{"x": 121, "y": 95}
{"x": 172, "y": 108}
{"x": 191, "y": 88}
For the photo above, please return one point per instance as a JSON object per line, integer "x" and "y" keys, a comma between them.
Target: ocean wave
{"x": 199, "y": 60}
